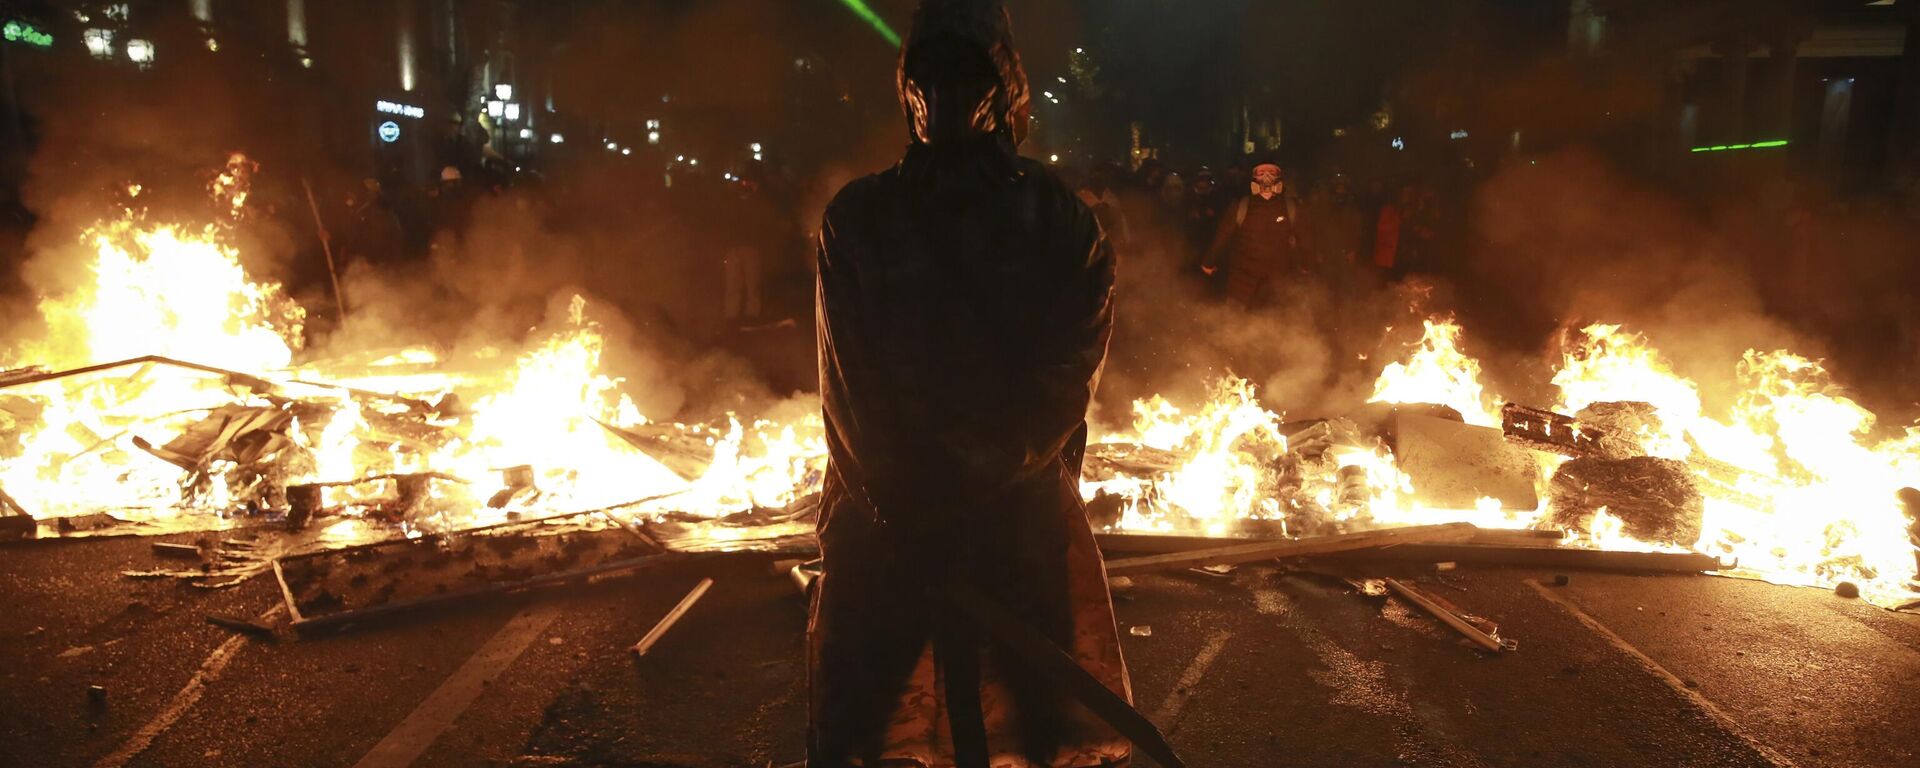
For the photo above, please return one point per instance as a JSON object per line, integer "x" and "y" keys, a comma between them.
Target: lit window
{"x": 99, "y": 42}
{"x": 140, "y": 51}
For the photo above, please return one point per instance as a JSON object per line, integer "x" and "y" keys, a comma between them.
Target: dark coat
{"x": 964, "y": 307}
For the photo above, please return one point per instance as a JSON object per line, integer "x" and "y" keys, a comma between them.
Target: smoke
{"x": 1313, "y": 346}
{"x": 1566, "y": 239}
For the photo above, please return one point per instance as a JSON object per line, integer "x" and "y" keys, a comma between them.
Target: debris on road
{"x": 333, "y": 587}
{"x": 1654, "y": 499}
{"x": 1267, "y": 550}
{"x": 673, "y": 617}
{"x": 181, "y": 551}
{"x": 1479, "y": 631}
{"x": 243, "y": 626}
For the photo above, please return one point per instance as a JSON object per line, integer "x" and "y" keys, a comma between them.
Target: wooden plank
{"x": 1160, "y": 543}
{"x": 1532, "y": 557}
{"x": 1446, "y": 616}
{"x": 1268, "y": 550}
{"x": 538, "y": 582}
{"x": 673, "y": 617}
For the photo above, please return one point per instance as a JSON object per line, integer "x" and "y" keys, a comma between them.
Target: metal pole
{"x": 326, "y": 247}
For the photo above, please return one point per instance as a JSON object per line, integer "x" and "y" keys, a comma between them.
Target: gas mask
{"x": 1266, "y": 181}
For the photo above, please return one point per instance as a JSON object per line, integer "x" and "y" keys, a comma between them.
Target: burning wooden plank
{"x": 1548, "y": 431}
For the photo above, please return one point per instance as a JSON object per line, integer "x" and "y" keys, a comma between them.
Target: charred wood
{"x": 1655, "y": 499}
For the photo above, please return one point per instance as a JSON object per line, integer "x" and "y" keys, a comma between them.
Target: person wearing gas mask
{"x": 964, "y": 303}
{"x": 1260, "y": 241}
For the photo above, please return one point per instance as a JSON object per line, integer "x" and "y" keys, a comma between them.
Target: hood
{"x": 959, "y": 77}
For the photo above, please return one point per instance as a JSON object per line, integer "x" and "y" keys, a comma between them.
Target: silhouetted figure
{"x": 964, "y": 307}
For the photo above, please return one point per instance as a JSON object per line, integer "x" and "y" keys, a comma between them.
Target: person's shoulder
{"x": 861, "y": 192}
{"x": 1048, "y": 189}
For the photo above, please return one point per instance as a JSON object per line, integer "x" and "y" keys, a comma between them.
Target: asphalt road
{"x": 1259, "y": 668}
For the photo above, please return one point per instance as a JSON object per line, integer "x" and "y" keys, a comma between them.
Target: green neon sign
{"x": 873, "y": 20}
{"x": 21, "y": 32}
{"x": 1755, "y": 145}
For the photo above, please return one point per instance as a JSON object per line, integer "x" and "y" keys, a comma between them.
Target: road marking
{"x": 1189, "y": 679}
{"x": 185, "y": 699}
{"x": 1673, "y": 681}
{"x": 418, "y": 731}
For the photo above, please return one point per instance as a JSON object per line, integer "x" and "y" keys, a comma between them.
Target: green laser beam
{"x": 873, "y": 20}
{"x": 1755, "y": 145}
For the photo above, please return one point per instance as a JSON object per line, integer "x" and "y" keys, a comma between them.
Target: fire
{"x": 164, "y": 290}
{"x": 1226, "y": 473}
{"x": 1796, "y": 489}
{"x": 1437, "y": 372}
{"x": 532, "y": 433}
{"x": 1794, "y": 492}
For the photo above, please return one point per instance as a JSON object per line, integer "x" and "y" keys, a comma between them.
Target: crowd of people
{"x": 1247, "y": 231}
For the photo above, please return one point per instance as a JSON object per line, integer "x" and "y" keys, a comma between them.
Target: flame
{"x": 1797, "y": 491}
{"x": 1226, "y": 473}
{"x": 1794, "y": 492}
{"x": 1437, "y": 372}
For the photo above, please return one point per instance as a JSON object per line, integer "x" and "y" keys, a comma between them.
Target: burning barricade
{"x": 164, "y": 396}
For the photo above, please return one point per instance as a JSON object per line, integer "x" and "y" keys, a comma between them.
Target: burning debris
{"x": 202, "y": 421}
{"x": 1654, "y": 500}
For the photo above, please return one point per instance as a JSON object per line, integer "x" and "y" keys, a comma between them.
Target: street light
{"x": 503, "y": 91}
{"x": 557, "y": 139}
{"x": 140, "y": 52}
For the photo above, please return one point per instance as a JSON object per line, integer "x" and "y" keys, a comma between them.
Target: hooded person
{"x": 964, "y": 303}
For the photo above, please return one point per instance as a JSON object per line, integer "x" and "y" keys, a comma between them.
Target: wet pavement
{"x": 1257, "y": 668}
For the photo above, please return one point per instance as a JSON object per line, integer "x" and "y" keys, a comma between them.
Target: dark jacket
{"x": 1260, "y": 241}
{"x": 964, "y": 308}
{"x": 964, "y": 302}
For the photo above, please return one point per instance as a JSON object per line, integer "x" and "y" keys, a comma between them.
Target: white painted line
{"x": 185, "y": 699}
{"x": 1673, "y": 681}
{"x": 418, "y": 731}
{"x": 1190, "y": 679}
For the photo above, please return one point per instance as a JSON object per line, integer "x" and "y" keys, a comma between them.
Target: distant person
{"x": 1387, "y": 233}
{"x": 1260, "y": 241}
{"x": 1099, "y": 195}
{"x": 1338, "y": 234}
{"x": 372, "y": 227}
{"x": 750, "y": 231}
{"x": 1204, "y": 202}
